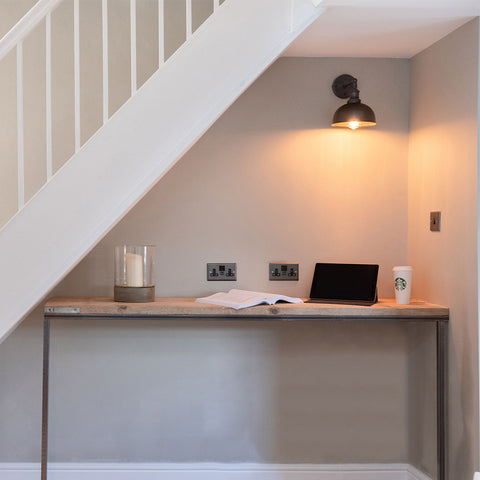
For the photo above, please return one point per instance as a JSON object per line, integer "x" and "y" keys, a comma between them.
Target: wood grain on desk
{"x": 187, "y": 307}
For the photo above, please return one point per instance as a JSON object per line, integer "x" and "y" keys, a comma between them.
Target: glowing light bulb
{"x": 353, "y": 125}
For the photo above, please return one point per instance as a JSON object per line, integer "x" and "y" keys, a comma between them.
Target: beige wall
{"x": 12, "y": 12}
{"x": 271, "y": 180}
{"x": 443, "y": 155}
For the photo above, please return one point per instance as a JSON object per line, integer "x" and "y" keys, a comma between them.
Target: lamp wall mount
{"x": 344, "y": 85}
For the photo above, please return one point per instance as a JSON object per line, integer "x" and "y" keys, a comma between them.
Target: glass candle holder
{"x": 134, "y": 274}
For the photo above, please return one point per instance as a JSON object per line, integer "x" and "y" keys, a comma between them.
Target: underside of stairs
{"x": 137, "y": 146}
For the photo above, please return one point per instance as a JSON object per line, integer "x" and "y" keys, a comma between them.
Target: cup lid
{"x": 402, "y": 268}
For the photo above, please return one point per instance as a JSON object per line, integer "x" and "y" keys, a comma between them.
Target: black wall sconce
{"x": 354, "y": 113}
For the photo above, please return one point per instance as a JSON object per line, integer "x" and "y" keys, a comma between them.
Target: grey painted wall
{"x": 229, "y": 392}
{"x": 269, "y": 181}
{"x": 443, "y": 165}
{"x": 272, "y": 181}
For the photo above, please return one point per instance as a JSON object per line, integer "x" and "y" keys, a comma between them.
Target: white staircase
{"x": 136, "y": 147}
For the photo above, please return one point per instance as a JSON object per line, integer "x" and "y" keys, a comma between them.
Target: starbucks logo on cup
{"x": 400, "y": 284}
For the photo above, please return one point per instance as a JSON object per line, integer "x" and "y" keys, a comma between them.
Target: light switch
{"x": 435, "y": 221}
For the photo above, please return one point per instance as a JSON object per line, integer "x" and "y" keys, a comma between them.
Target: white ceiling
{"x": 381, "y": 28}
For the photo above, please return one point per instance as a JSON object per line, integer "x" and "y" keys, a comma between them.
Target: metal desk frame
{"x": 441, "y": 323}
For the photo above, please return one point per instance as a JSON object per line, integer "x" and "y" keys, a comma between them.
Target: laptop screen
{"x": 344, "y": 281}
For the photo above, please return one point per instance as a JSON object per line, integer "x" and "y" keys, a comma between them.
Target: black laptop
{"x": 344, "y": 283}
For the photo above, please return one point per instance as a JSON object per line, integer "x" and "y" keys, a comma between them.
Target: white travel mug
{"x": 402, "y": 277}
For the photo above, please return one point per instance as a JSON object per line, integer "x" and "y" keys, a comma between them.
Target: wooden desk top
{"x": 171, "y": 307}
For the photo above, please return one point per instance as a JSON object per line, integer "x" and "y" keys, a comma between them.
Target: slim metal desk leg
{"x": 46, "y": 357}
{"x": 442, "y": 395}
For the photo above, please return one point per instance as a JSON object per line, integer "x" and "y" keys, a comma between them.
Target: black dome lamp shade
{"x": 354, "y": 113}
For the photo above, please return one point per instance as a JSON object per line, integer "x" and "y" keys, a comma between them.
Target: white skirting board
{"x": 211, "y": 471}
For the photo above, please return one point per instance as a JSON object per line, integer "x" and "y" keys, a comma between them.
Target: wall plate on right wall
{"x": 435, "y": 221}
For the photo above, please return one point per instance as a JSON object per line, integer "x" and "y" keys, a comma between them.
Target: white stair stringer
{"x": 138, "y": 145}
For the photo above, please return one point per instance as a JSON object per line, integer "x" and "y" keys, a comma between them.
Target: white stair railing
{"x": 42, "y": 11}
{"x": 139, "y": 144}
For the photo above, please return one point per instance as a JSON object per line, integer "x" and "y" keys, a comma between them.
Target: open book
{"x": 244, "y": 298}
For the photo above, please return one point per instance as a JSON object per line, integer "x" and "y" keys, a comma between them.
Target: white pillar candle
{"x": 134, "y": 270}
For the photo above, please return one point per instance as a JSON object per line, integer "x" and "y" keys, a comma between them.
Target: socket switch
{"x": 283, "y": 271}
{"x": 221, "y": 271}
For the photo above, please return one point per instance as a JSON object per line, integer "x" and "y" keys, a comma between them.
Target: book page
{"x": 270, "y": 298}
{"x": 245, "y": 298}
{"x": 238, "y": 299}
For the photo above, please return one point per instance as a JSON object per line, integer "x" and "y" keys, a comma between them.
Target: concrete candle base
{"x": 134, "y": 294}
